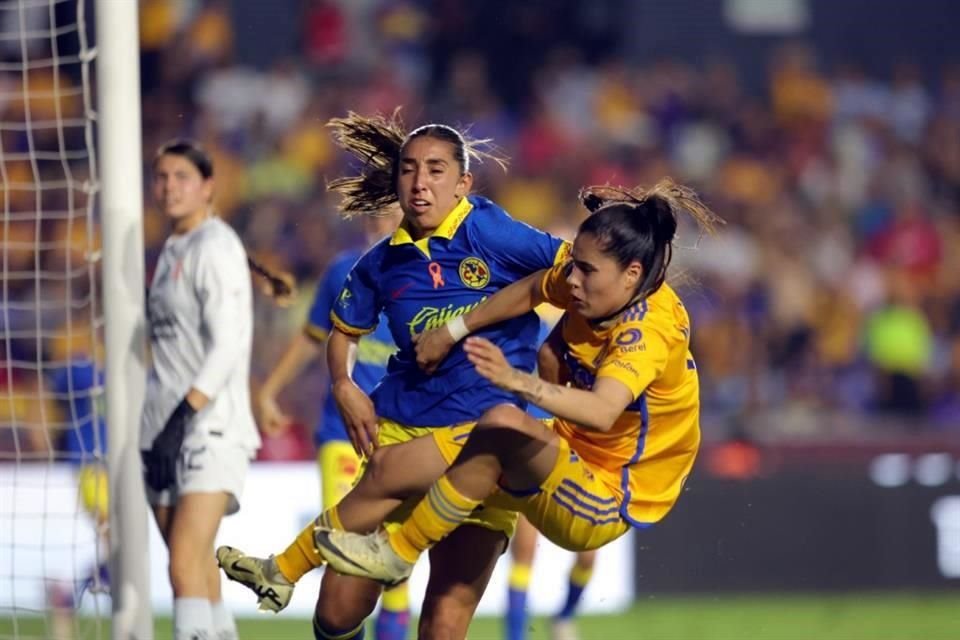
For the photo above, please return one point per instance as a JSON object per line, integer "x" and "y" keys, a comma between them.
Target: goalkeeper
{"x": 197, "y": 429}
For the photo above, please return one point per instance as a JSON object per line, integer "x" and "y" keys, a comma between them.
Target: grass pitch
{"x": 859, "y": 616}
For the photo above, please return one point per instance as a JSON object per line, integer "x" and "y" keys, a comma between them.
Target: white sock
{"x": 192, "y": 619}
{"x": 224, "y": 628}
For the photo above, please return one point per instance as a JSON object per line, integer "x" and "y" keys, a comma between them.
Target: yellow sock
{"x": 396, "y": 599}
{"x": 301, "y": 556}
{"x": 441, "y": 511}
{"x": 330, "y": 519}
{"x": 579, "y": 576}
{"x": 520, "y": 577}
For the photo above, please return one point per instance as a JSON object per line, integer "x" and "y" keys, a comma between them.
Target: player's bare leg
{"x": 392, "y": 474}
{"x": 461, "y": 566}
{"x": 507, "y": 444}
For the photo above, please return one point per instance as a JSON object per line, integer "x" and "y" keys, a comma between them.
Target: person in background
{"x": 197, "y": 432}
{"x": 338, "y": 462}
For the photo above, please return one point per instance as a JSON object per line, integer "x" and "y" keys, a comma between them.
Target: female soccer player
{"x": 337, "y": 461}
{"x": 197, "y": 430}
{"x": 626, "y": 432}
{"x": 452, "y": 251}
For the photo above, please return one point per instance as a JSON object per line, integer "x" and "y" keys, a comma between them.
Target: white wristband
{"x": 458, "y": 329}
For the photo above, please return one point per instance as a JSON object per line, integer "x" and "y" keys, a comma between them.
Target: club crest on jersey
{"x": 474, "y": 272}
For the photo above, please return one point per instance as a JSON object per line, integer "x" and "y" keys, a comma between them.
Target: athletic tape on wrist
{"x": 458, "y": 329}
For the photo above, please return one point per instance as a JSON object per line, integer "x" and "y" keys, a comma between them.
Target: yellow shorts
{"x": 339, "y": 469}
{"x": 573, "y": 508}
{"x": 94, "y": 491}
{"x": 450, "y": 441}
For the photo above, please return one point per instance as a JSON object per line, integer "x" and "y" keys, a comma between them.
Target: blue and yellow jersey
{"x": 420, "y": 285}
{"x": 648, "y": 453}
{"x": 373, "y": 351}
{"x": 81, "y": 384}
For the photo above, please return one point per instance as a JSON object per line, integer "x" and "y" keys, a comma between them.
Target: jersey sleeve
{"x": 356, "y": 309}
{"x": 517, "y": 247}
{"x": 318, "y": 320}
{"x": 223, "y": 289}
{"x": 554, "y": 285}
{"x": 637, "y": 356}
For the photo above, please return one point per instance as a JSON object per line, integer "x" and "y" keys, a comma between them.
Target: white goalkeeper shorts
{"x": 207, "y": 464}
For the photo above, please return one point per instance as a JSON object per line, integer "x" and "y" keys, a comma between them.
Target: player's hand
{"x": 160, "y": 461}
{"x": 273, "y": 421}
{"x": 281, "y": 287}
{"x": 489, "y": 361}
{"x": 358, "y": 415}
{"x": 432, "y": 347}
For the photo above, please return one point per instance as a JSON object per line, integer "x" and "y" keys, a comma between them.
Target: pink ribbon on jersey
{"x": 437, "y": 274}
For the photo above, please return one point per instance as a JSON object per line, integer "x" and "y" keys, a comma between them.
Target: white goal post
{"x": 71, "y": 287}
{"x": 121, "y": 207}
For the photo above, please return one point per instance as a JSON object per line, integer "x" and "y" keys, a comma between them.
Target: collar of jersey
{"x": 602, "y": 324}
{"x": 447, "y": 229}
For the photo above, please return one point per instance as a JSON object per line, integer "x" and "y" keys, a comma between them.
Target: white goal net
{"x": 53, "y": 481}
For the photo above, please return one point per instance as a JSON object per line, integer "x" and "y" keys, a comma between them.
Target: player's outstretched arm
{"x": 597, "y": 408}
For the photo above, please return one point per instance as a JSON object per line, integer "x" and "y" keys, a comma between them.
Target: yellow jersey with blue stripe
{"x": 648, "y": 453}
{"x": 417, "y": 285}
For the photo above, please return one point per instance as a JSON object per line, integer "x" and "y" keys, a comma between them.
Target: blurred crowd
{"x": 828, "y": 306}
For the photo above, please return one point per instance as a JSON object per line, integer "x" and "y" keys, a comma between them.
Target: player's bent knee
{"x": 502, "y": 416}
{"x": 376, "y": 473}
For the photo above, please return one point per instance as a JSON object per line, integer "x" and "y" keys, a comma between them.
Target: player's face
{"x": 598, "y": 284}
{"x": 430, "y": 182}
{"x": 179, "y": 189}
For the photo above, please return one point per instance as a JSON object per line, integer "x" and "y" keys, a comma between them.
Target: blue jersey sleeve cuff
{"x": 350, "y": 330}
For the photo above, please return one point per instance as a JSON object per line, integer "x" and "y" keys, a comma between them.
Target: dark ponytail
{"x": 377, "y": 142}
{"x": 641, "y": 224}
{"x": 279, "y": 286}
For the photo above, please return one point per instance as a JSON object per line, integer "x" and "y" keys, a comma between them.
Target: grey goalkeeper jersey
{"x": 200, "y": 312}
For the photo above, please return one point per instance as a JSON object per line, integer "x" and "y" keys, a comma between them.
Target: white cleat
{"x": 366, "y": 556}
{"x": 260, "y": 575}
{"x": 563, "y": 629}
